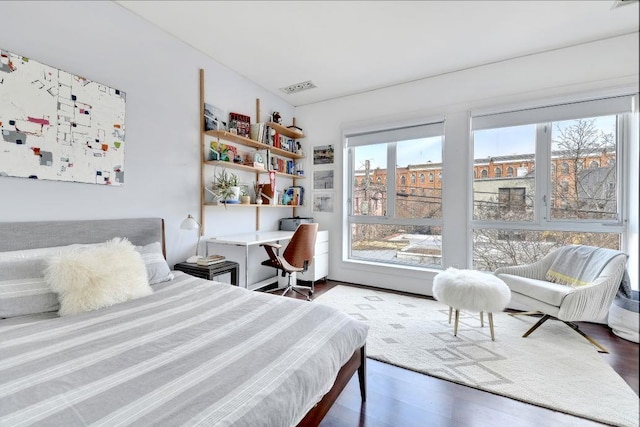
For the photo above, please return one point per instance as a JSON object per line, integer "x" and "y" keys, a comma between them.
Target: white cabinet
{"x": 319, "y": 268}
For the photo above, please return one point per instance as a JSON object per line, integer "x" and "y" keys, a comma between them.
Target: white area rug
{"x": 554, "y": 367}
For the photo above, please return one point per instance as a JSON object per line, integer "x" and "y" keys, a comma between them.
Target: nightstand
{"x": 209, "y": 272}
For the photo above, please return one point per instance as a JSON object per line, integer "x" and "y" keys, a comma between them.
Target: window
{"x": 560, "y": 194}
{"x": 512, "y": 199}
{"x": 509, "y": 171}
{"x": 498, "y": 172}
{"x": 392, "y": 222}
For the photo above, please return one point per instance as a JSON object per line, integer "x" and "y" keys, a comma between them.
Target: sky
{"x": 491, "y": 142}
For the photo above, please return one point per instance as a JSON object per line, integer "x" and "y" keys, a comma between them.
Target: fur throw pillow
{"x": 96, "y": 277}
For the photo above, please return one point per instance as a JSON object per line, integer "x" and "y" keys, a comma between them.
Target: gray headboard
{"x": 42, "y": 234}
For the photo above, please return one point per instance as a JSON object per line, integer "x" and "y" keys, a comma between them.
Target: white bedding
{"x": 195, "y": 352}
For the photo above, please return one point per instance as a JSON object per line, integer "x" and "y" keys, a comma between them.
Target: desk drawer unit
{"x": 319, "y": 268}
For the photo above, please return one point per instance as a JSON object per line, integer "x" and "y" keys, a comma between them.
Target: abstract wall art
{"x": 55, "y": 125}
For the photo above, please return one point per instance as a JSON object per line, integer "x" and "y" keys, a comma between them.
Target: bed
{"x": 193, "y": 352}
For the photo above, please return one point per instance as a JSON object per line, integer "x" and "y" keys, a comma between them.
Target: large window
{"x": 567, "y": 184}
{"x": 393, "y": 216}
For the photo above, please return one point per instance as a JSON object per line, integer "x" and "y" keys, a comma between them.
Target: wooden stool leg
{"x": 455, "y": 326}
{"x": 481, "y": 320}
{"x": 493, "y": 338}
{"x": 450, "y": 310}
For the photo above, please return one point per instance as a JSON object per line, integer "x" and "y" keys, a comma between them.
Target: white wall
{"x": 604, "y": 67}
{"x": 106, "y": 43}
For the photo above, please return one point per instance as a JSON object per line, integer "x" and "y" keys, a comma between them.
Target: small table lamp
{"x": 190, "y": 223}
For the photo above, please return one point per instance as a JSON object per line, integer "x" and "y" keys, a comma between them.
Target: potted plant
{"x": 245, "y": 198}
{"x": 226, "y": 187}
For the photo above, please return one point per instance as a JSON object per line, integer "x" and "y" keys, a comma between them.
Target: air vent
{"x": 297, "y": 87}
{"x": 618, "y": 3}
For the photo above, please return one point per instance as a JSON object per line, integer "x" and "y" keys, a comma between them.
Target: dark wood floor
{"x": 399, "y": 397}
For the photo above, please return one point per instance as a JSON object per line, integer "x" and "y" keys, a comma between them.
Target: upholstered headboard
{"x": 42, "y": 234}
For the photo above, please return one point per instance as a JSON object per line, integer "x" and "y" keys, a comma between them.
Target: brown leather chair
{"x": 296, "y": 258}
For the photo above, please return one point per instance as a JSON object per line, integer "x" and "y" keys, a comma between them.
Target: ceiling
{"x": 350, "y": 47}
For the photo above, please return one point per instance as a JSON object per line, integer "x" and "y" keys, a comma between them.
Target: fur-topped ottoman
{"x": 471, "y": 290}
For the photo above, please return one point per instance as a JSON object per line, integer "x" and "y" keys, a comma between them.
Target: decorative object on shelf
{"x": 241, "y": 123}
{"x": 276, "y": 117}
{"x": 213, "y": 118}
{"x": 226, "y": 187}
{"x": 190, "y": 223}
{"x": 219, "y": 151}
{"x": 245, "y": 198}
{"x": 296, "y": 130}
{"x": 293, "y": 195}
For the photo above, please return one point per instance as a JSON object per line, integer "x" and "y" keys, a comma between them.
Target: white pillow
{"x": 97, "y": 277}
{"x": 41, "y": 252}
{"x": 158, "y": 270}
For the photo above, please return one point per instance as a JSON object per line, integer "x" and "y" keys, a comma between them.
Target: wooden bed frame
{"x": 16, "y": 236}
{"x": 358, "y": 362}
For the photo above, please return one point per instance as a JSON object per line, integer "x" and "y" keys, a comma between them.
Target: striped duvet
{"x": 195, "y": 352}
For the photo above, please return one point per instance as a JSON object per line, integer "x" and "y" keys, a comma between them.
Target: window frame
{"x": 391, "y": 183}
{"x": 542, "y": 219}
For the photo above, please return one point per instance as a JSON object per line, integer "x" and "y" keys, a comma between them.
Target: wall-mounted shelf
{"x": 246, "y": 142}
{"x": 255, "y": 205}
{"x": 240, "y": 166}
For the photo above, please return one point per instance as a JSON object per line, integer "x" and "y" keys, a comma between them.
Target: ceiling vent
{"x": 298, "y": 87}
{"x": 617, "y": 3}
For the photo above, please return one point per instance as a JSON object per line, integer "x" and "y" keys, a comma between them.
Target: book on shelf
{"x": 210, "y": 260}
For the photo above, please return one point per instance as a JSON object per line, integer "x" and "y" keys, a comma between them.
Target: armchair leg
{"x": 591, "y": 340}
{"x": 534, "y": 327}
{"x": 572, "y": 325}
{"x": 524, "y": 313}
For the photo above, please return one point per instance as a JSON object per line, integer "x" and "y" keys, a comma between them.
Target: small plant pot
{"x": 245, "y": 200}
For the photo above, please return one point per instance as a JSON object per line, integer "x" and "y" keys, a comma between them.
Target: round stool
{"x": 471, "y": 290}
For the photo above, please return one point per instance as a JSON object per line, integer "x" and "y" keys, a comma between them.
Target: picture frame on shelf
{"x": 213, "y": 118}
{"x": 241, "y": 123}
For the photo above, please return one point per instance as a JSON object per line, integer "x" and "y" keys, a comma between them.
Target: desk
{"x": 247, "y": 240}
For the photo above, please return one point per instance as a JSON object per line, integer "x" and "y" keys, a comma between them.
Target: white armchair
{"x": 589, "y": 302}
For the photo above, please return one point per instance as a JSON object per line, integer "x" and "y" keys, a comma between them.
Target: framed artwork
{"x": 323, "y": 180}
{"x": 213, "y": 118}
{"x": 323, "y": 155}
{"x": 323, "y": 201}
{"x": 59, "y": 126}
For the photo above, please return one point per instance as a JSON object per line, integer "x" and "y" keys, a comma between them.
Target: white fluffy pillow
{"x": 96, "y": 277}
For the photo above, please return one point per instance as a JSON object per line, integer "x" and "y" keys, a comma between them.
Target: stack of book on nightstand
{"x": 210, "y": 260}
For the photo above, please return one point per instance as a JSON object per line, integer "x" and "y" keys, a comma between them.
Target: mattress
{"x": 195, "y": 352}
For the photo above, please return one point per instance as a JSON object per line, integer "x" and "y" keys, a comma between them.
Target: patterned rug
{"x": 554, "y": 367}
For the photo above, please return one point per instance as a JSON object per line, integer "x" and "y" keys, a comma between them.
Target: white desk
{"x": 247, "y": 240}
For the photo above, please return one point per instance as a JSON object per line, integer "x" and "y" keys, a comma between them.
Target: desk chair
{"x": 296, "y": 257}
